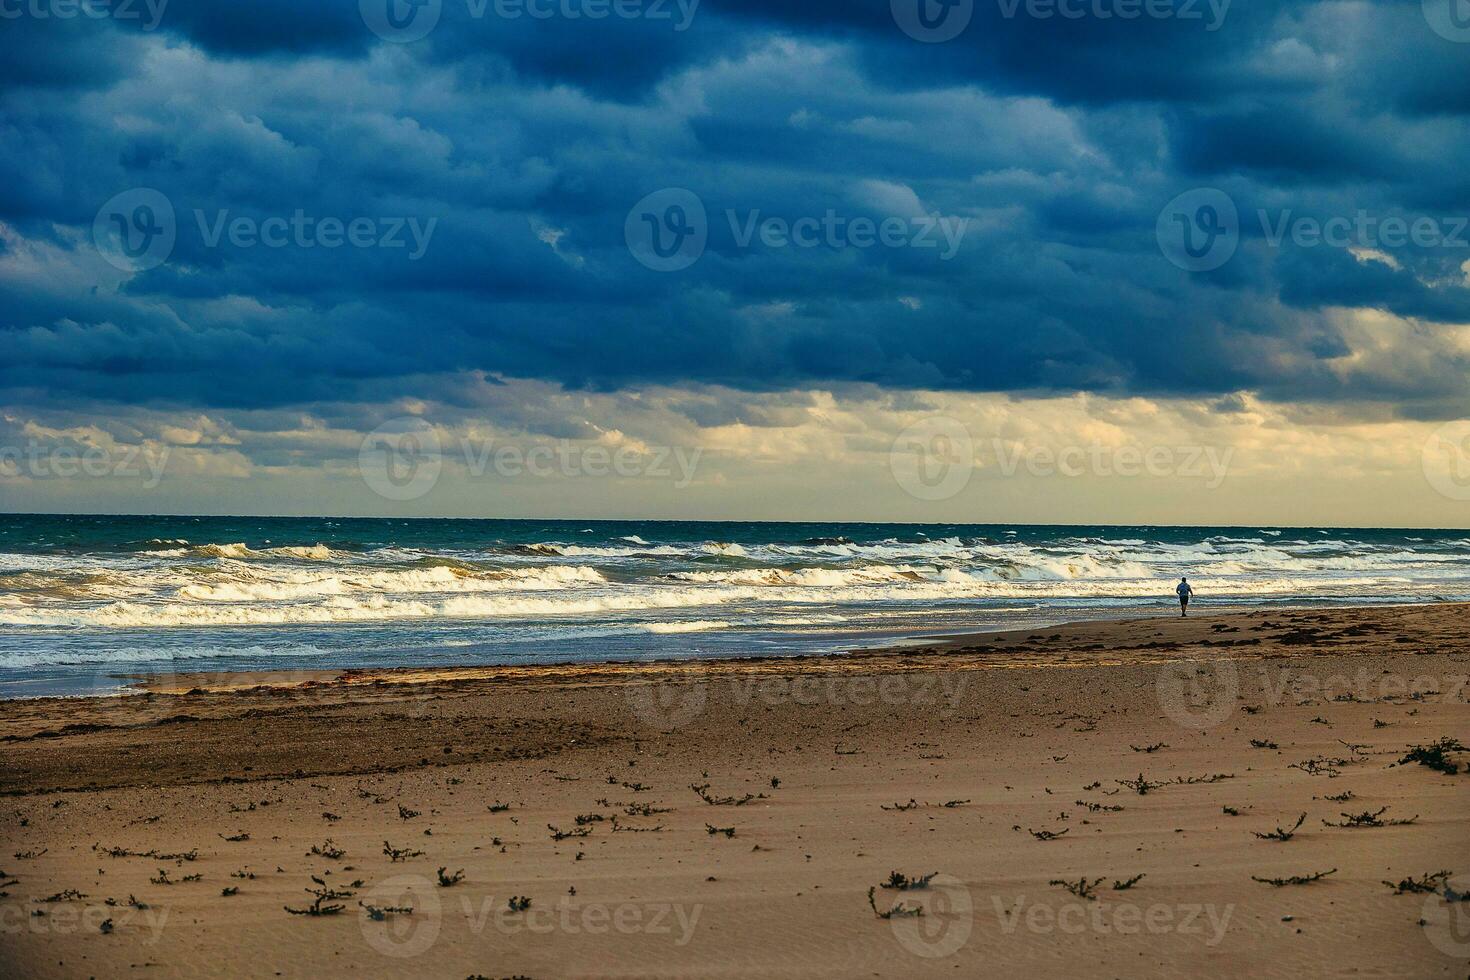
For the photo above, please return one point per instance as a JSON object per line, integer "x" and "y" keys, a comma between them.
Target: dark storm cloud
{"x": 488, "y": 169}
{"x": 267, "y": 27}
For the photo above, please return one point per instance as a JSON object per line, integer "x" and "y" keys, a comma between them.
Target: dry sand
{"x": 734, "y": 816}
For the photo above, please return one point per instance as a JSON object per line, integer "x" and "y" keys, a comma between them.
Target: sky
{"x": 1164, "y": 261}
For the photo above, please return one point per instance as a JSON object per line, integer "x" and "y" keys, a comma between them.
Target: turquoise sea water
{"x": 85, "y": 598}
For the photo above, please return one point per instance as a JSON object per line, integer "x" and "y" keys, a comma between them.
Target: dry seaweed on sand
{"x": 1371, "y": 819}
{"x": 703, "y": 790}
{"x": 157, "y": 855}
{"x": 1282, "y": 833}
{"x": 1047, "y": 834}
{"x": 1320, "y": 766}
{"x": 1428, "y": 882}
{"x": 645, "y": 809}
{"x": 396, "y": 854}
{"x": 1206, "y": 779}
{"x": 1082, "y": 888}
{"x": 899, "y": 910}
{"x": 69, "y": 895}
{"x": 557, "y": 834}
{"x": 326, "y": 900}
{"x": 1434, "y": 755}
{"x": 902, "y": 882}
{"x": 380, "y": 912}
{"x": 913, "y": 804}
{"x": 622, "y": 828}
{"x": 1141, "y": 786}
{"x": 1294, "y": 879}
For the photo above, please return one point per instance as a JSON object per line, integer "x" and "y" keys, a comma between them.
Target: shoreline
{"x": 919, "y": 647}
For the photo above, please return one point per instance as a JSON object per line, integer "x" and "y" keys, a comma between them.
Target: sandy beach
{"x": 1100, "y": 799}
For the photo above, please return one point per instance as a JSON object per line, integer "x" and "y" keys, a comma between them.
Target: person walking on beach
{"x": 1184, "y": 592}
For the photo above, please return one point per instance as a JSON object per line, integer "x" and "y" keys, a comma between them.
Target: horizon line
{"x": 1261, "y": 525}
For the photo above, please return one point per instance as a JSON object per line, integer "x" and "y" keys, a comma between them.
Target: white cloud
{"x": 818, "y": 454}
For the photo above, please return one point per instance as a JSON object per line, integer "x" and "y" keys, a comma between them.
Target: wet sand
{"x": 730, "y": 818}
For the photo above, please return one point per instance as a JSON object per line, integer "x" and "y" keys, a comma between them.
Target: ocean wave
{"x": 533, "y": 550}
{"x": 592, "y": 551}
{"x": 810, "y": 577}
{"x": 692, "y": 626}
{"x": 998, "y": 569}
{"x": 827, "y": 620}
{"x": 616, "y": 583}
{"x": 344, "y": 609}
{"x": 155, "y": 660}
{"x": 238, "y": 550}
{"x": 438, "y": 578}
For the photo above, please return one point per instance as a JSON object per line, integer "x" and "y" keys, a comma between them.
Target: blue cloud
{"x": 517, "y": 146}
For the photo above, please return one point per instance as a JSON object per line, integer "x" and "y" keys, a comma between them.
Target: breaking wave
{"x": 223, "y": 590}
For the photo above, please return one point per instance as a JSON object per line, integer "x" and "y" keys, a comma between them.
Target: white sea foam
{"x": 580, "y": 551}
{"x": 155, "y": 659}
{"x": 434, "y": 579}
{"x": 239, "y": 550}
{"x": 691, "y": 626}
{"x": 812, "y": 577}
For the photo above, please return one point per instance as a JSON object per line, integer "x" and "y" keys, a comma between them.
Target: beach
{"x": 1109, "y": 798}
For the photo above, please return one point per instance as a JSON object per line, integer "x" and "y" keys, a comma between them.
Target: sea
{"x": 86, "y": 601}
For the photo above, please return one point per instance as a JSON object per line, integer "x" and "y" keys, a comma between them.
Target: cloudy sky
{"x": 1175, "y": 261}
